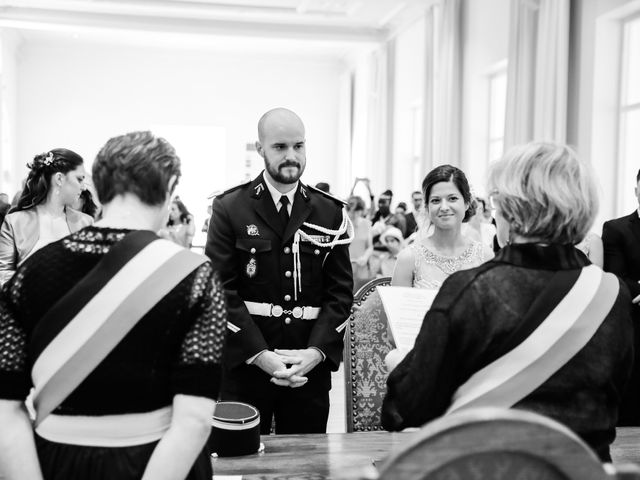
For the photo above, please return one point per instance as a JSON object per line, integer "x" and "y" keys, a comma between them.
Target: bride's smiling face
{"x": 446, "y": 205}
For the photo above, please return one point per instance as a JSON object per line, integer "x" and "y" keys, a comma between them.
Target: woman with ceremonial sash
{"x": 538, "y": 327}
{"x": 119, "y": 332}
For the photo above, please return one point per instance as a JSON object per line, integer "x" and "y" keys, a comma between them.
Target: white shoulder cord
{"x": 345, "y": 226}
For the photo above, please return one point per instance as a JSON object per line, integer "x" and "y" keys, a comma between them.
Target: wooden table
{"x": 340, "y": 455}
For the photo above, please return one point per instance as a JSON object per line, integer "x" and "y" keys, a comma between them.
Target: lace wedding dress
{"x": 432, "y": 268}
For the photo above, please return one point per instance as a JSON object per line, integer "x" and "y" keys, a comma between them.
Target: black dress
{"x": 176, "y": 348}
{"x": 476, "y": 311}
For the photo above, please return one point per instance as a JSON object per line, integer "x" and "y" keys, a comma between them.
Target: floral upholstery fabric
{"x": 367, "y": 343}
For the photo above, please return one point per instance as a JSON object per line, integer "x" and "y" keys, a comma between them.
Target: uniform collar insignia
{"x": 303, "y": 192}
{"x": 259, "y": 189}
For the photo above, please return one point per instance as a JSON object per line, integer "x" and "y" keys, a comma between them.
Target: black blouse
{"x": 475, "y": 311}
{"x": 176, "y": 348}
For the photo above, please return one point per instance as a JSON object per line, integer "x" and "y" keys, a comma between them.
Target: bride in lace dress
{"x": 431, "y": 259}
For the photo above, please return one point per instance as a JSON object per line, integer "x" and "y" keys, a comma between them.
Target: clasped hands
{"x": 289, "y": 367}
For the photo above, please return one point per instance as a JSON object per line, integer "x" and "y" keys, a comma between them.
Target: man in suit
{"x": 621, "y": 242}
{"x": 281, "y": 249}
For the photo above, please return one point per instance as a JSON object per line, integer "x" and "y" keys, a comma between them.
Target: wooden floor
{"x": 336, "y": 423}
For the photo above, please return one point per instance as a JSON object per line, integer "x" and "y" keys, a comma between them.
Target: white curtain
{"x": 370, "y": 118}
{"x": 443, "y": 81}
{"x": 552, "y": 74}
{"x": 537, "y": 71}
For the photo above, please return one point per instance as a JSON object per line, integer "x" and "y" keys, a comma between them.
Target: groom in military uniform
{"x": 281, "y": 249}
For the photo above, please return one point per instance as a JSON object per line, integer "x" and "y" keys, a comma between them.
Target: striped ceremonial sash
{"x": 562, "y": 334}
{"x": 103, "y": 307}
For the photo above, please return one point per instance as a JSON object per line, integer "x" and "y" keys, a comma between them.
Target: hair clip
{"x": 49, "y": 159}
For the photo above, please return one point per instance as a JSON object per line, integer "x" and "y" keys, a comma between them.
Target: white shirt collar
{"x": 275, "y": 194}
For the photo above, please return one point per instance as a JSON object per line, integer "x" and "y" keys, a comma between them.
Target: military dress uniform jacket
{"x": 253, "y": 253}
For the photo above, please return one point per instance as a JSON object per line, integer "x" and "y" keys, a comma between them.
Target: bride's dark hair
{"x": 43, "y": 167}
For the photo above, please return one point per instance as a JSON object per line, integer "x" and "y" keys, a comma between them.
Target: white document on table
{"x": 405, "y": 308}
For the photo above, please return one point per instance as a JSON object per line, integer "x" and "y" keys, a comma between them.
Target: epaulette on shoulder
{"x": 328, "y": 195}
{"x": 233, "y": 189}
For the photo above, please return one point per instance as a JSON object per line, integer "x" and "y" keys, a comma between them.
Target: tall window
{"x": 497, "y": 109}
{"x": 629, "y": 117}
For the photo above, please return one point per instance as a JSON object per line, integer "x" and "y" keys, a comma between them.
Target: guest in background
{"x": 384, "y": 207}
{"x": 205, "y": 225}
{"x": 324, "y": 187}
{"x": 361, "y": 247}
{"x": 143, "y": 410}
{"x": 412, "y": 217}
{"x": 180, "y": 228}
{"x": 478, "y": 227}
{"x": 380, "y": 221}
{"x": 428, "y": 261}
{"x": 393, "y": 239}
{"x": 85, "y": 204}
{"x": 44, "y": 211}
{"x": 621, "y": 246}
{"x": 592, "y": 247}
{"x": 400, "y": 214}
{"x": 545, "y": 201}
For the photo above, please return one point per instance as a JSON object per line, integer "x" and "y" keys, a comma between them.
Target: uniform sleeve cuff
{"x": 324, "y": 357}
{"x": 249, "y": 361}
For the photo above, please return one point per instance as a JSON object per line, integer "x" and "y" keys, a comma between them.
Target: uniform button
{"x": 316, "y": 251}
{"x": 287, "y": 250}
{"x": 287, "y": 298}
{"x": 287, "y": 274}
{"x": 253, "y": 250}
{"x": 287, "y": 320}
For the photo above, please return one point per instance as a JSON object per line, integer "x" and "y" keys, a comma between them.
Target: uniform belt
{"x": 271, "y": 310}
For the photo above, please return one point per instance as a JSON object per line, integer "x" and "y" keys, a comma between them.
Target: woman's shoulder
{"x": 407, "y": 253}
{"x": 21, "y": 219}
{"x": 29, "y": 213}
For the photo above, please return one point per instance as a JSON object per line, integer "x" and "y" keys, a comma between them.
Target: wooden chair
{"x": 367, "y": 341}
{"x": 499, "y": 444}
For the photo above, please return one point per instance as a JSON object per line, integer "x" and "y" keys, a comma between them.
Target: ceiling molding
{"x": 51, "y": 19}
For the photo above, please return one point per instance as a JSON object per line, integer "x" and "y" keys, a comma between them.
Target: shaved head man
{"x": 281, "y": 249}
{"x": 281, "y": 143}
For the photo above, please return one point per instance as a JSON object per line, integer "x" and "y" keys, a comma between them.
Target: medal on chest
{"x": 251, "y": 268}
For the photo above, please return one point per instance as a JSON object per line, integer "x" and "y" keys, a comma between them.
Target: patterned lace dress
{"x": 431, "y": 268}
{"x": 176, "y": 348}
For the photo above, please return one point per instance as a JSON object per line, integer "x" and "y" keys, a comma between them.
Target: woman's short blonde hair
{"x": 544, "y": 192}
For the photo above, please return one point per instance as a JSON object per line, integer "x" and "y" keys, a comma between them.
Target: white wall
{"x": 407, "y": 174}
{"x": 9, "y": 51}
{"x": 77, "y": 96}
{"x": 592, "y": 119}
{"x": 485, "y": 43}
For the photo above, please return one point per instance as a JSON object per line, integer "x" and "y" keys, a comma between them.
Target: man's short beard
{"x": 279, "y": 177}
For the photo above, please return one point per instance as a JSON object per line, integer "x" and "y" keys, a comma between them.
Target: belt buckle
{"x": 297, "y": 312}
{"x": 276, "y": 310}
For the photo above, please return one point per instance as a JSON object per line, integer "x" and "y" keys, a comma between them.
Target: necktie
{"x": 284, "y": 212}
